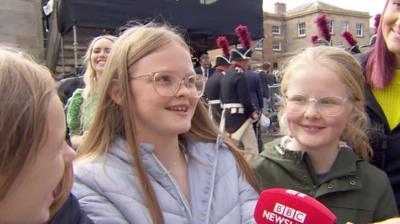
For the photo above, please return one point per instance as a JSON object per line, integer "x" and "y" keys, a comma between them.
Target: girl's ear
{"x": 116, "y": 92}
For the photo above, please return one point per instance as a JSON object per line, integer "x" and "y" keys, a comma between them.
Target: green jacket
{"x": 79, "y": 117}
{"x": 354, "y": 190}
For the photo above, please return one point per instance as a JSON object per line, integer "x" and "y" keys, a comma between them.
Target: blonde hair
{"x": 25, "y": 91}
{"x": 90, "y": 76}
{"x": 347, "y": 68}
{"x": 113, "y": 120}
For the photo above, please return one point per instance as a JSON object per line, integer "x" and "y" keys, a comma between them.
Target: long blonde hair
{"x": 90, "y": 76}
{"x": 347, "y": 68}
{"x": 25, "y": 91}
{"x": 113, "y": 120}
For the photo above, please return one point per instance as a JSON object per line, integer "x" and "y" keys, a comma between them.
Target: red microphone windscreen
{"x": 284, "y": 206}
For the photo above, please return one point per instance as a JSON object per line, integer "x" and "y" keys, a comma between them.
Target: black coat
{"x": 198, "y": 71}
{"x": 71, "y": 213}
{"x": 234, "y": 89}
{"x": 213, "y": 92}
{"x": 266, "y": 79}
{"x": 384, "y": 141}
{"x": 256, "y": 96}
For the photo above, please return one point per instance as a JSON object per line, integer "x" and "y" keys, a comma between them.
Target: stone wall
{"x": 21, "y": 25}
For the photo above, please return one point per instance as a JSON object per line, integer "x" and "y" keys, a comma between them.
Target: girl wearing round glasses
{"x": 325, "y": 153}
{"x": 152, "y": 154}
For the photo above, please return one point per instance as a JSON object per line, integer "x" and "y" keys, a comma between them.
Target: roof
{"x": 322, "y": 6}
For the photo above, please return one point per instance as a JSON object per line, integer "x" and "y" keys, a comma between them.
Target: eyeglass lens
{"x": 168, "y": 84}
{"x": 329, "y": 105}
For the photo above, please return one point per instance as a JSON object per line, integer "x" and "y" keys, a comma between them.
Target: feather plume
{"x": 323, "y": 27}
{"x": 377, "y": 19}
{"x": 314, "y": 39}
{"x": 244, "y": 36}
{"x": 349, "y": 38}
{"x": 222, "y": 42}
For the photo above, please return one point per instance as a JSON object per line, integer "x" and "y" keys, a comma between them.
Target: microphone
{"x": 285, "y": 206}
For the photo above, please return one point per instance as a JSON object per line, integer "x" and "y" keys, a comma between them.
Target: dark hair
{"x": 266, "y": 65}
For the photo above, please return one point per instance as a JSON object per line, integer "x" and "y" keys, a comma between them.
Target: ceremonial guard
{"x": 238, "y": 112}
{"x": 213, "y": 87}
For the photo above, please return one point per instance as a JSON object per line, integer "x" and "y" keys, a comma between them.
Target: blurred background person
{"x": 82, "y": 104}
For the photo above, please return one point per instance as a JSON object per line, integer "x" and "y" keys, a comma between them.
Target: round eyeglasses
{"x": 326, "y": 105}
{"x": 168, "y": 84}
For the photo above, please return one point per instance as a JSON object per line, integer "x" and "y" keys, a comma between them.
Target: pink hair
{"x": 381, "y": 64}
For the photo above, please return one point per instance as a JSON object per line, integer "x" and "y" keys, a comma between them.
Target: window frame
{"x": 274, "y": 32}
{"x": 279, "y": 45}
{"x": 301, "y": 27}
{"x": 361, "y": 29}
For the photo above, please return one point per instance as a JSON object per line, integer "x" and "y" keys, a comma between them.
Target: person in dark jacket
{"x": 239, "y": 113}
{"x": 212, "y": 90}
{"x": 35, "y": 160}
{"x": 205, "y": 68}
{"x": 381, "y": 69}
{"x": 325, "y": 152}
{"x": 256, "y": 96}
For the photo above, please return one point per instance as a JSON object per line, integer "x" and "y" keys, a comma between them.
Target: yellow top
{"x": 389, "y": 100}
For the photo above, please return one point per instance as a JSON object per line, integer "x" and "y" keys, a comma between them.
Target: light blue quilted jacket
{"x": 108, "y": 189}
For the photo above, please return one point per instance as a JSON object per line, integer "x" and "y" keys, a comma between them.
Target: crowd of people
{"x": 158, "y": 141}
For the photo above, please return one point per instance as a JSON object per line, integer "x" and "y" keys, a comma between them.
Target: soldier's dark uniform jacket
{"x": 212, "y": 93}
{"x": 234, "y": 90}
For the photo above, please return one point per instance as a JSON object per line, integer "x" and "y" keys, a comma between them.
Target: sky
{"x": 372, "y": 6}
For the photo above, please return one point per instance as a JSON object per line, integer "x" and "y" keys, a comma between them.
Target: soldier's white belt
{"x": 213, "y": 102}
{"x": 234, "y": 108}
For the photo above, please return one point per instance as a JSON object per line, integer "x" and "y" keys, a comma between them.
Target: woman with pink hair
{"x": 381, "y": 67}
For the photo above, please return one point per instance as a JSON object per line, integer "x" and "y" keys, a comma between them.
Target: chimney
{"x": 280, "y": 8}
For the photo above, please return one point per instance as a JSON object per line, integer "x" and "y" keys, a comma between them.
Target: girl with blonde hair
{"x": 152, "y": 154}
{"x": 35, "y": 160}
{"x": 325, "y": 152}
{"x": 82, "y": 104}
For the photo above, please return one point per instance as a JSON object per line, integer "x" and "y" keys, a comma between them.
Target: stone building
{"x": 21, "y": 25}
{"x": 287, "y": 32}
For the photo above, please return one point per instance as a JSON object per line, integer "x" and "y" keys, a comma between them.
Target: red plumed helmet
{"x": 349, "y": 38}
{"x": 377, "y": 19}
{"x": 314, "y": 39}
{"x": 222, "y": 42}
{"x": 323, "y": 27}
{"x": 244, "y": 35}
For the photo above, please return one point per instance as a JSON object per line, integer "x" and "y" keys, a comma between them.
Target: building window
{"x": 259, "y": 45}
{"x": 276, "y": 46}
{"x": 276, "y": 30}
{"x": 301, "y": 29}
{"x": 331, "y": 26}
{"x": 345, "y": 26}
{"x": 359, "y": 30}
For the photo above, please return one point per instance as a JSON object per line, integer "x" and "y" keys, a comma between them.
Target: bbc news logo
{"x": 290, "y": 213}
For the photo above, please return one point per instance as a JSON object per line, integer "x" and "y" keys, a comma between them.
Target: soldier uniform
{"x": 237, "y": 107}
